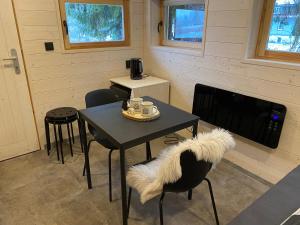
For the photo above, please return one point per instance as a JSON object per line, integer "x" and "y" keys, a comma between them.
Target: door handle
{"x": 14, "y": 59}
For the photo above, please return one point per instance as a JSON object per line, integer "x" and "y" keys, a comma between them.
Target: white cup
{"x": 136, "y": 104}
{"x": 148, "y": 109}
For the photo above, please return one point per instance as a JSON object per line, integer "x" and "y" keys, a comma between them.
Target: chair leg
{"x": 60, "y": 142}
{"x": 109, "y": 175}
{"x": 88, "y": 149}
{"x": 72, "y": 131}
{"x": 129, "y": 200}
{"x": 161, "y": 216}
{"x": 148, "y": 151}
{"x": 212, "y": 200}
{"x": 56, "y": 143}
{"x": 70, "y": 141}
{"x": 190, "y": 194}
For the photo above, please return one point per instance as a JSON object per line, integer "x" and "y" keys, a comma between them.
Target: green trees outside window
{"x": 88, "y": 22}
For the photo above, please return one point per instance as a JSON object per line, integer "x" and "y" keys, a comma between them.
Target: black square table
{"x": 125, "y": 133}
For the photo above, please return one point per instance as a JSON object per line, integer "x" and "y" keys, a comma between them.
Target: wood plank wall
{"x": 62, "y": 79}
{"x": 222, "y": 66}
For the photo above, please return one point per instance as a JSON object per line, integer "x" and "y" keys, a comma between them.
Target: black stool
{"x": 59, "y": 117}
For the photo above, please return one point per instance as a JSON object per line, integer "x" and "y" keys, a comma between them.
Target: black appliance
{"x": 136, "y": 68}
{"x": 253, "y": 118}
{"x": 121, "y": 91}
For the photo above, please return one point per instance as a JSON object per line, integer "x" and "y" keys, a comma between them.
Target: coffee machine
{"x": 136, "y": 68}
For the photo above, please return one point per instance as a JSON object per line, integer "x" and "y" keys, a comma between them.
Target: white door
{"x": 18, "y": 133}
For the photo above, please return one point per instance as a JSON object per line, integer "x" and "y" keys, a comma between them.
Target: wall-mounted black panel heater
{"x": 252, "y": 118}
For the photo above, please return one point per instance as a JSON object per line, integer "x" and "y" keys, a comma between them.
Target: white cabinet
{"x": 149, "y": 86}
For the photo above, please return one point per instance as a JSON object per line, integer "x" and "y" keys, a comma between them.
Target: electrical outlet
{"x": 49, "y": 46}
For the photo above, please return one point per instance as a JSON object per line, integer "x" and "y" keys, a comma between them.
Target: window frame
{"x": 87, "y": 45}
{"x": 180, "y": 44}
{"x": 263, "y": 37}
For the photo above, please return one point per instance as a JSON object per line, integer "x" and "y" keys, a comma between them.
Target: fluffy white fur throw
{"x": 149, "y": 179}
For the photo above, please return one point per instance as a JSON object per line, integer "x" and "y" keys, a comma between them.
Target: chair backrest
{"x": 100, "y": 97}
{"x": 193, "y": 173}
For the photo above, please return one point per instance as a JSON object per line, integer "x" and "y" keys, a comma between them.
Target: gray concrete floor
{"x": 37, "y": 190}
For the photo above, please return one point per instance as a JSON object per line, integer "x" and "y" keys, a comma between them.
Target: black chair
{"x": 193, "y": 173}
{"x": 97, "y": 98}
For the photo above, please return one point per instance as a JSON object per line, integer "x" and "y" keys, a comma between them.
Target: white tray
{"x": 140, "y": 117}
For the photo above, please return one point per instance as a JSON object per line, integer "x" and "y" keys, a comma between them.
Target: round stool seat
{"x": 62, "y": 115}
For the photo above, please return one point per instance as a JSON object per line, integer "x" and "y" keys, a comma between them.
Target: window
{"x": 183, "y": 23}
{"x": 95, "y": 23}
{"x": 279, "y": 35}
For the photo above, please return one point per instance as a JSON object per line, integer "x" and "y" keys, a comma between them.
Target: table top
{"x": 127, "y": 133}
{"x": 126, "y": 81}
{"x": 275, "y": 205}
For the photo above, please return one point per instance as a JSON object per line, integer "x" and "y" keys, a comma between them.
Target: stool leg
{"x": 61, "y": 142}
{"x": 56, "y": 143}
{"x": 47, "y": 133}
{"x": 73, "y": 139}
{"x": 70, "y": 141}
{"x": 80, "y": 137}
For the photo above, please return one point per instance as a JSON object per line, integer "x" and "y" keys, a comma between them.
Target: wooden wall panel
{"x": 222, "y": 5}
{"x": 34, "y": 5}
{"x": 228, "y": 18}
{"x": 229, "y": 34}
{"x": 36, "y": 18}
{"x": 227, "y": 50}
{"x": 59, "y": 78}
{"x": 31, "y": 33}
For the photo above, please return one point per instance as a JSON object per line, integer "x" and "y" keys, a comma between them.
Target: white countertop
{"x": 147, "y": 81}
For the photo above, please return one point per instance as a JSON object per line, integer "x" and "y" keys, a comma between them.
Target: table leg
{"x": 195, "y": 129}
{"x": 148, "y": 151}
{"x": 86, "y": 154}
{"x": 123, "y": 186}
{"x": 195, "y": 132}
